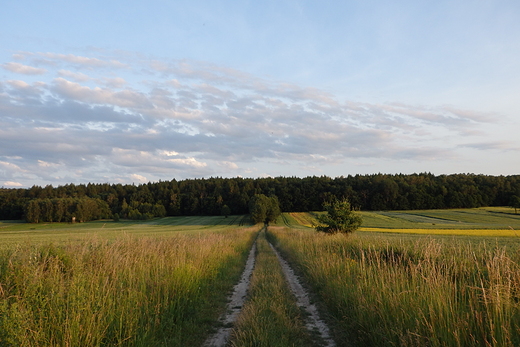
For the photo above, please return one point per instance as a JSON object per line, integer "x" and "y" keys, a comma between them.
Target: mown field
{"x": 160, "y": 283}
{"x": 485, "y": 221}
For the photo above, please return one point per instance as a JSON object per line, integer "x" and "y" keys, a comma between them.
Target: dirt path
{"x": 236, "y": 301}
{"x": 314, "y": 323}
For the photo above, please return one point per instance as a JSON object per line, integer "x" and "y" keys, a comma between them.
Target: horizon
{"x": 255, "y": 178}
{"x": 131, "y": 92}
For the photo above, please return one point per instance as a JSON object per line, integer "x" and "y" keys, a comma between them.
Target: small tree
{"x": 515, "y": 202}
{"x": 225, "y": 211}
{"x": 338, "y": 219}
{"x": 264, "y": 209}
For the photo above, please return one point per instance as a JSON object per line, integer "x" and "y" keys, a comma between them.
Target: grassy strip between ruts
{"x": 270, "y": 317}
{"x": 423, "y": 292}
{"x": 129, "y": 291}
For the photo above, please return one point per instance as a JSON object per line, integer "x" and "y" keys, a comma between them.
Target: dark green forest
{"x": 211, "y": 196}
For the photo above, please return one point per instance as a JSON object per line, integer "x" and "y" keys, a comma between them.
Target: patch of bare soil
{"x": 236, "y": 301}
{"x": 313, "y": 323}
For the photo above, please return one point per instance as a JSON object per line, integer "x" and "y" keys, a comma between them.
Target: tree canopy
{"x": 339, "y": 218}
{"x": 264, "y": 209}
{"x": 208, "y": 196}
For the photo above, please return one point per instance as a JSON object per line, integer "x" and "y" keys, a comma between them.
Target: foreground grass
{"x": 389, "y": 292}
{"x": 126, "y": 291}
{"x": 270, "y": 317}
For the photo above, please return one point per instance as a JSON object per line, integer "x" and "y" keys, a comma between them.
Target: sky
{"x": 142, "y": 91}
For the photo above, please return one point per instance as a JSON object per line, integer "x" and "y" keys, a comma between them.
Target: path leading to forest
{"x": 313, "y": 322}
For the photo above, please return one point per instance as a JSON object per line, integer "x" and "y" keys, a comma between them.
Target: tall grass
{"x": 270, "y": 317}
{"x": 387, "y": 292}
{"x": 125, "y": 292}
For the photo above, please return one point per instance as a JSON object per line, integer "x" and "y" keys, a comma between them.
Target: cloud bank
{"x": 69, "y": 118}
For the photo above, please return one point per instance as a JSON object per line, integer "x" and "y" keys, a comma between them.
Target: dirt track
{"x": 313, "y": 322}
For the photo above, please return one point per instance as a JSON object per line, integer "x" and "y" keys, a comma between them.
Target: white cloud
{"x": 209, "y": 120}
{"x": 97, "y": 95}
{"x": 86, "y": 62}
{"x": 18, "y": 84}
{"x": 228, "y": 165}
{"x": 139, "y": 178}
{"x": 76, "y": 76}
{"x": 13, "y": 184}
{"x": 23, "y": 69}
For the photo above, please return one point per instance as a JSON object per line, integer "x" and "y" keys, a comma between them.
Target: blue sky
{"x": 135, "y": 91}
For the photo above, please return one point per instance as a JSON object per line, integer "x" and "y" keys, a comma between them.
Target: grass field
{"x": 12, "y": 232}
{"x": 159, "y": 283}
{"x": 406, "y": 278}
{"x": 385, "y": 290}
{"x": 488, "y": 221}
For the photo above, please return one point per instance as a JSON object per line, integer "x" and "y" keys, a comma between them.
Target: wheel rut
{"x": 235, "y": 304}
{"x": 313, "y": 322}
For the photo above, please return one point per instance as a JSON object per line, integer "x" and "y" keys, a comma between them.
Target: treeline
{"x": 209, "y": 196}
{"x": 66, "y": 210}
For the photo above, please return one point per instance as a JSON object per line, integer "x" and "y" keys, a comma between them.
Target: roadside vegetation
{"x": 157, "y": 289}
{"x": 384, "y": 291}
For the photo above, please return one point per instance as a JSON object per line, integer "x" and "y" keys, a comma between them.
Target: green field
{"x": 157, "y": 283}
{"x": 486, "y": 221}
{"x": 396, "y": 289}
{"x": 406, "y": 278}
{"x": 20, "y": 232}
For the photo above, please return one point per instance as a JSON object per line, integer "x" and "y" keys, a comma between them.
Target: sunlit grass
{"x": 130, "y": 290}
{"x": 304, "y": 218}
{"x": 411, "y": 292}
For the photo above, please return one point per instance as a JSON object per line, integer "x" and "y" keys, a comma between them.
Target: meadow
{"x": 401, "y": 287}
{"x": 160, "y": 283}
{"x": 406, "y": 278}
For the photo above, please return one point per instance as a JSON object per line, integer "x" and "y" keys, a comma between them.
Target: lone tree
{"x": 264, "y": 209}
{"x": 515, "y": 202}
{"x": 225, "y": 211}
{"x": 339, "y": 218}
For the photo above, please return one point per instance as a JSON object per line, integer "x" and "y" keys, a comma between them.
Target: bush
{"x": 339, "y": 218}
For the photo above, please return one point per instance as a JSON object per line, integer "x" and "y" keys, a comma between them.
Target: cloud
{"x": 23, "y": 69}
{"x": 97, "y": 95}
{"x": 13, "y": 184}
{"x": 85, "y": 62}
{"x": 492, "y": 145}
{"x": 196, "y": 119}
{"x": 139, "y": 178}
{"x": 76, "y": 76}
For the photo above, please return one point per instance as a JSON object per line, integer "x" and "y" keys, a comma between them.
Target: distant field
{"x": 486, "y": 221}
{"x": 19, "y": 232}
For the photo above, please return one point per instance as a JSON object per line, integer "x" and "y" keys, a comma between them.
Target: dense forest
{"x": 213, "y": 196}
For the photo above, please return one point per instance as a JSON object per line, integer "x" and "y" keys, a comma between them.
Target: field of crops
{"x": 491, "y": 221}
